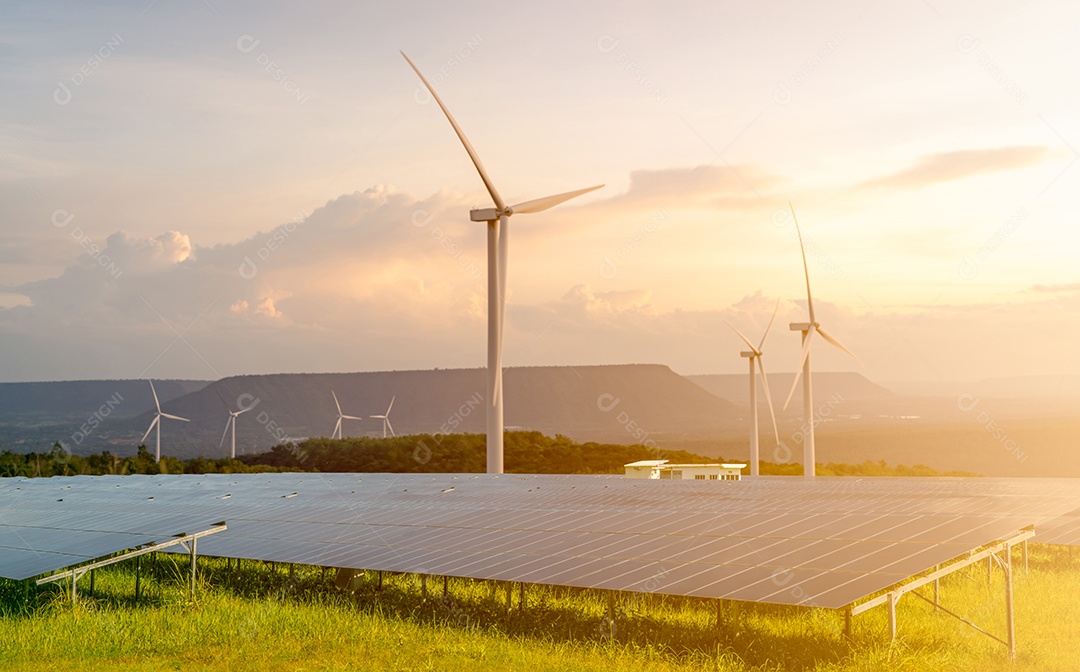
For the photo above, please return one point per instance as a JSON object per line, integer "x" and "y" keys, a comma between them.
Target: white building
{"x": 690, "y": 472}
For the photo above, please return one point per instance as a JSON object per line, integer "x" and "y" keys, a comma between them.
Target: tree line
{"x": 524, "y": 453}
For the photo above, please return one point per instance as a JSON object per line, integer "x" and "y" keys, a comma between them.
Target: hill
{"x": 639, "y": 403}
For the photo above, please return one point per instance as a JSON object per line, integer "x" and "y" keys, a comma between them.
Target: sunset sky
{"x": 203, "y": 189}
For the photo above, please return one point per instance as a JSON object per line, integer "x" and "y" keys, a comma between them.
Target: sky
{"x": 205, "y": 189}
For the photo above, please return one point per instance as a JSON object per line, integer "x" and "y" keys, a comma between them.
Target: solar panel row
{"x": 826, "y": 542}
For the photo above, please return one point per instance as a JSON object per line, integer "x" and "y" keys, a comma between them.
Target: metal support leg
{"x": 91, "y": 583}
{"x": 719, "y": 614}
{"x": 611, "y": 606}
{"x": 937, "y": 591}
{"x": 509, "y": 596}
{"x": 1009, "y": 604}
{"x": 847, "y": 622}
{"x": 138, "y": 576}
{"x": 521, "y": 597}
{"x": 445, "y": 586}
{"x": 380, "y": 580}
{"x": 893, "y": 598}
{"x": 989, "y": 568}
{"x": 1025, "y": 558}
{"x": 191, "y": 587}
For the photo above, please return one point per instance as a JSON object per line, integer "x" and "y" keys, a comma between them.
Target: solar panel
{"x": 826, "y": 542}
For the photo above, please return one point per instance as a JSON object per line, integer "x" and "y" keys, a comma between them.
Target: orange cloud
{"x": 950, "y": 166}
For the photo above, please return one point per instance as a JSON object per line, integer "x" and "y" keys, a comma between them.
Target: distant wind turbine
{"x": 231, "y": 422}
{"x": 157, "y": 422}
{"x": 497, "y": 219}
{"x": 808, "y": 329}
{"x": 755, "y": 353}
{"x": 385, "y": 417}
{"x": 341, "y": 416}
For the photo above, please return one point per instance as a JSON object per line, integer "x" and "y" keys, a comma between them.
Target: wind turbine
{"x": 231, "y": 422}
{"x": 157, "y": 422}
{"x": 755, "y": 354}
{"x": 385, "y": 417}
{"x": 497, "y": 219}
{"x": 341, "y": 416}
{"x": 808, "y": 329}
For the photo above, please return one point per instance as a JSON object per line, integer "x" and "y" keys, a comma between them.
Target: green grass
{"x": 262, "y": 619}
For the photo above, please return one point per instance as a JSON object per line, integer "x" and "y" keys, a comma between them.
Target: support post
{"x": 893, "y": 598}
{"x": 521, "y": 596}
{"x": 445, "y": 585}
{"x": 937, "y": 591}
{"x": 1025, "y": 558}
{"x": 138, "y": 576}
{"x": 423, "y": 586}
{"x": 989, "y": 568}
{"x": 380, "y": 579}
{"x": 509, "y": 596}
{"x": 191, "y": 587}
{"x": 611, "y": 608}
{"x": 91, "y": 583}
{"x": 1009, "y": 604}
{"x": 847, "y": 622}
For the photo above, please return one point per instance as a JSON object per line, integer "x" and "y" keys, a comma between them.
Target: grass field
{"x": 261, "y": 618}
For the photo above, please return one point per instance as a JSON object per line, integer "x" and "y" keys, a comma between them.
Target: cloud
{"x": 735, "y": 187}
{"x": 950, "y": 166}
{"x": 1067, "y": 288}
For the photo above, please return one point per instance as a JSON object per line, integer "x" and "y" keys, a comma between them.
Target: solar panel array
{"x": 45, "y": 527}
{"x": 827, "y": 542}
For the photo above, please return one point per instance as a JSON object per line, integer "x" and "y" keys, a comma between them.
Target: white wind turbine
{"x": 231, "y": 422}
{"x": 755, "y": 354}
{"x": 157, "y": 422}
{"x": 808, "y": 329}
{"x": 385, "y": 417}
{"x": 340, "y": 416}
{"x": 497, "y": 246}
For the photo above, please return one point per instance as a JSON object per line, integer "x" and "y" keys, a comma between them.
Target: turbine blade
{"x": 223, "y": 402}
{"x": 241, "y": 411}
{"x": 802, "y": 362}
{"x": 768, "y": 399}
{"x": 762, "y": 344}
{"x": 499, "y": 203}
{"x": 336, "y": 402}
{"x": 744, "y": 338}
{"x": 541, "y": 204}
{"x": 351, "y": 417}
{"x": 391, "y": 405}
{"x": 391, "y": 427}
{"x": 149, "y": 429}
{"x": 337, "y": 430}
{"x": 225, "y": 433}
{"x": 156, "y": 402}
{"x": 174, "y": 417}
{"x": 377, "y": 417}
{"x": 806, "y": 269}
{"x": 838, "y": 344}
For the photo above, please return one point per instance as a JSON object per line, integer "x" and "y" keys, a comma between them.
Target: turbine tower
{"x": 754, "y": 354}
{"x": 340, "y": 416}
{"x": 157, "y": 422}
{"x": 497, "y": 219}
{"x": 385, "y": 417}
{"x": 808, "y": 329}
{"x": 231, "y": 422}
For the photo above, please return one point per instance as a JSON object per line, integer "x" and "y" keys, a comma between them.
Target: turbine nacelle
{"x": 802, "y": 326}
{"x": 488, "y": 214}
{"x": 749, "y": 355}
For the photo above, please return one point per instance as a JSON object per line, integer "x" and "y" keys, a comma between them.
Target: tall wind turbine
{"x": 340, "y": 416}
{"x": 754, "y": 354}
{"x": 231, "y": 422}
{"x": 808, "y": 329}
{"x": 385, "y": 417}
{"x": 497, "y": 219}
{"x": 157, "y": 422}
